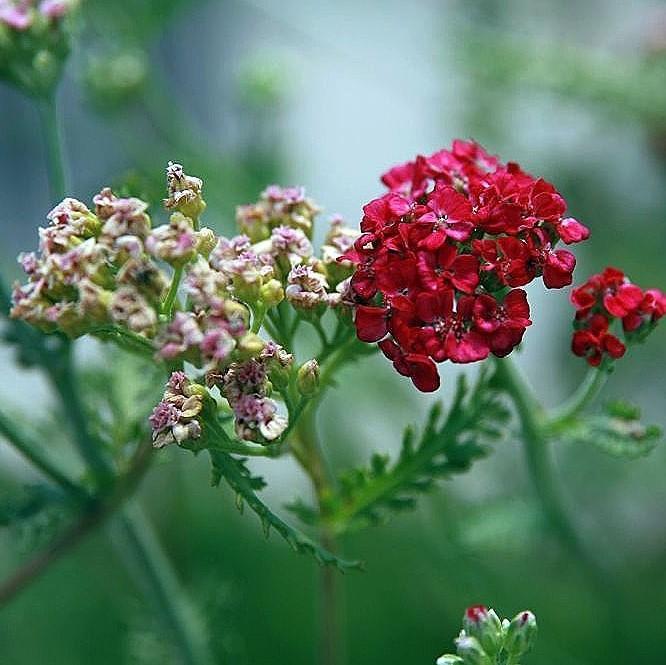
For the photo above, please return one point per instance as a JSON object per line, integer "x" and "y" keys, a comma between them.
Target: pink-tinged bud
{"x": 521, "y": 634}
{"x": 175, "y": 242}
{"x": 175, "y": 418}
{"x": 485, "y": 626}
{"x": 184, "y": 192}
{"x": 306, "y": 288}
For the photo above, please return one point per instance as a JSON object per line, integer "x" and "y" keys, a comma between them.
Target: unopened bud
{"x": 278, "y": 363}
{"x": 271, "y": 293}
{"x": 485, "y": 625}
{"x": 307, "y": 379}
{"x": 237, "y": 310}
{"x": 44, "y": 64}
{"x": 521, "y": 634}
{"x": 449, "y": 659}
{"x": 192, "y": 389}
{"x": 206, "y": 241}
{"x": 471, "y": 651}
{"x": 250, "y": 345}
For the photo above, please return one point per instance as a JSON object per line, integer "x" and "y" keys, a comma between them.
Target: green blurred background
{"x": 249, "y": 92}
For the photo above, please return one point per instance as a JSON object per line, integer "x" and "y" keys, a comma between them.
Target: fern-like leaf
{"x": 241, "y": 481}
{"x": 618, "y": 431}
{"x": 447, "y": 445}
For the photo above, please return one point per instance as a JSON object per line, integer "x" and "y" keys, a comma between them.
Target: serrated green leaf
{"x": 241, "y": 481}
{"x": 446, "y": 446}
{"x": 617, "y": 437}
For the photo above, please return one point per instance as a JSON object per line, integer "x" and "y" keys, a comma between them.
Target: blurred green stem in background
{"x": 50, "y": 123}
{"x": 537, "y": 450}
{"x": 537, "y": 426}
{"x": 139, "y": 544}
{"x": 140, "y": 549}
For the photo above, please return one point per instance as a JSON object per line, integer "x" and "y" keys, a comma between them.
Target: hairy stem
{"x": 55, "y": 163}
{"x": 145, "y": 558}
{"x": 63, "y": 378}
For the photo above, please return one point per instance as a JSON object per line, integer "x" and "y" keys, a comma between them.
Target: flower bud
{"x": 485, "y": 625}
{"x": 307, "y": 379}
{"x": 184, "y": 192}
{"x": 278, "y": 363}
{"x": 449, "y": 659}
{"x": 45, "y": 65}
{"x": 250, "y": 345}
{"x": 271, "y": 293}
{"x": 471, "y": 651}
{"x": 520, "y": 634}
{"x": 195, "y": 389}
{"x": 206, "y": 241}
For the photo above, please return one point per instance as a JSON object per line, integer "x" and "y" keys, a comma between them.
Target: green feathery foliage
{"x": 447, "y": 445}
{"x": 618, "y": 431}
{"x": 241, "y": 481}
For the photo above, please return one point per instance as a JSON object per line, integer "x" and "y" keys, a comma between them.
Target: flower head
{"x": 175, "y": 418}
{"x": 604, "y": 299}
{"x": 440, "y": 257}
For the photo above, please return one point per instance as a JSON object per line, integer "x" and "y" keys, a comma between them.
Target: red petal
{"x": 371, "y": 323}
{"x": 423, "y": 372}
{"x": 571, "y": 230}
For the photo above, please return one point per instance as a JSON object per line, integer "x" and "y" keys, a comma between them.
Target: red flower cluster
{"x": 441, "y": 255}
{"x": 605, "y": 298}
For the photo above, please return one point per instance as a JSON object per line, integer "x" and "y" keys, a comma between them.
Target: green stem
{"x": 95, "y": 515}
{"x": 223, "y": 442}
{"x": 537, "y": 451}
{"x": 30, "y": 449}
{"x": 154, "y": 574}
{"x": 587, "y": 391}
{"x": 170, "y": 299}
{"x": 62, "y": 374}
{"x": 125, "y": 339}
{"x": 308, "y": 452}
{"x": 50, "y": 124}
{"x": 535, "y": 429}
{"x": 258, "y": 316}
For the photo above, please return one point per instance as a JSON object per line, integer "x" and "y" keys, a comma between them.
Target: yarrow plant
{"x": 487, "y": 640}
{"x": 434, "y": 274}
{"x": 605, "y": 299}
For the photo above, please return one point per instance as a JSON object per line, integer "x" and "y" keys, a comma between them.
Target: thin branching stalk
{"x": 96, "y": 514}
{"x": 585, "y": 394}
{"x": 31, "y": 451}
{"x": 50, "y": 125}
{"x": 145, "y": 558}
